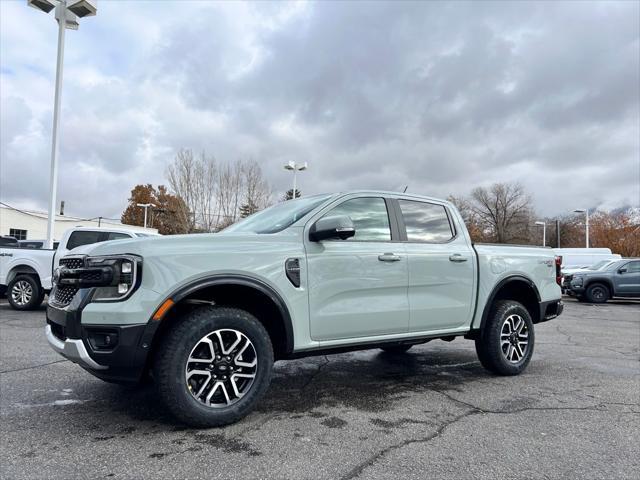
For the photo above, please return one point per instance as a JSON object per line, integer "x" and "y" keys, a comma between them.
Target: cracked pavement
{"x": 430, "y": 413}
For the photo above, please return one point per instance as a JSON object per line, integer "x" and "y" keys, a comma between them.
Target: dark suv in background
{"x": 619, "y": 279}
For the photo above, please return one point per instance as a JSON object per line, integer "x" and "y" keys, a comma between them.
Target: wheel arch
{"x": 518, "y": 288}
{"x": 244, "y": 292}
{"x": 23, "y": 269}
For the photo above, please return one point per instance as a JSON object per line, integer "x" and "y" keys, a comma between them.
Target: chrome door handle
{"x": 456, "y": 257}
{"x": 389, "y": 257}
{"x": 6, "y": 254}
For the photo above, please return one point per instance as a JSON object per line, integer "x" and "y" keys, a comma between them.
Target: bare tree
{"x": 215, "y": 195}
{"x": 257, "y": 192}
{"x": 503, "y": 211}
{"x": 194, "y": 181}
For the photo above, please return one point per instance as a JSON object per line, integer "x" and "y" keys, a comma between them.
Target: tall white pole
{"x": 145, "y": 216}
{"x": 53, "y": 180}
{"x": 544, "y": 234}
{"x": 587, "y": 225}
{"x": 295, "y": 172}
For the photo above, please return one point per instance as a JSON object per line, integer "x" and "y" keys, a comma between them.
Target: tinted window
{"x": 117, "y": 236}
{"x": 369, "y": 216}
{"x": 425, "y": 222}
{"x": 633, "y": 267}
{"x": 83, "y": 238}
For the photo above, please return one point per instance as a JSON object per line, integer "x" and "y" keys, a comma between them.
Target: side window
{"x": 80, "y": 238}
{"x": 117, "y": 236}
{"x": 425, "y": 222}
{"x": 633, "y": 267}
{"x": 369, "y": 216}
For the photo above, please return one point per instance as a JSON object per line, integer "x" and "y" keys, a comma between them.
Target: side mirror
{"x": 340, "y": 227}
{"x": 623, "y": 270}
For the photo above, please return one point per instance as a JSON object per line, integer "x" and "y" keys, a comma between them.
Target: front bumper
{"x": 73, "y": 350}
{"x": 122, "y": 361}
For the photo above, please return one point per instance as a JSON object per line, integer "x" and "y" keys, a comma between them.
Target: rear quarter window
{"x": 79, "y": 238}
{"x": 426, "y": 222}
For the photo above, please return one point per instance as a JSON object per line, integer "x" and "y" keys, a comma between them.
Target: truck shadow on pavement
{"x": 370, "y": 381}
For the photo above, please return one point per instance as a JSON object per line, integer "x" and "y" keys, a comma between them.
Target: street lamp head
{"x": 579, "y": 210}
{"x": 44, "y": 5}
{"x": 290, "y": 166}
{"x": 303, "y": 167}
{"x": 83, "y": 8}
{"x": 540, "y": 223}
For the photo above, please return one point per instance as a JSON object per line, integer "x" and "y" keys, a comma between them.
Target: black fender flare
{"x": 224, "y": 279}
{"x": 498, "y": 287}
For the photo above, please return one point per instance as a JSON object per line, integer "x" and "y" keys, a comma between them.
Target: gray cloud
{"x": 438, "y": 96}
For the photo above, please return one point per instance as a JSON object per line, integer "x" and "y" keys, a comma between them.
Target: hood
{"x": 180, "y": 244}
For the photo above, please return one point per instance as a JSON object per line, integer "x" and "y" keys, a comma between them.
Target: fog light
{"x": 123, "y": 288}
{"x": 102, "y": 340}
{"x": 126, "y": 267}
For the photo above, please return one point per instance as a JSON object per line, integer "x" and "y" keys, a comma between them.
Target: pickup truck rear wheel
{"x": 24, "y": 293}
{"x": 505, "y": 345}
{"x": 213, "y": 367}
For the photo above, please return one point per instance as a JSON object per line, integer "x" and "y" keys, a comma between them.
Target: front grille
{"x": 91, "y": 275}
{"x": 72, "y": 262}
{"x": 63, "y": 294}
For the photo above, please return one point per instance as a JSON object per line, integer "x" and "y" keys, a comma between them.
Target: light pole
{"x": 586, "y": 212}
{"x": 296, "y": 168}
{"x": 544, "y": 233}
{"x": 67, "y": 14}
{"x": 145, "y": 206}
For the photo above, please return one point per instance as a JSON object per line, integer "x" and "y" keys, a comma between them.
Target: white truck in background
{"x": 579, "y": 258}
{"x": 26, "y": 273}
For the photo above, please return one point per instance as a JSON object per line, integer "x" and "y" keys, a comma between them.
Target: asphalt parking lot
{"x": 433, "y": 412}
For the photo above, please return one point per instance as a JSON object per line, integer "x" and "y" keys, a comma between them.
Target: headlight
{"x": 126, "y": 269}
{"x": 577, "y": 281}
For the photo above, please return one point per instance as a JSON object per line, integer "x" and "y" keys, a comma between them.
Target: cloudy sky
{"x": 441, "y": 97}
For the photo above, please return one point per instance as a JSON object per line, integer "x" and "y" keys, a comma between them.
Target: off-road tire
{"x": 396, "y": 349}
{"x": 36, "y": 295}
{"x": 597, "y": 293}
{"x": 176, "y": 346}
{"x": 489, "y": 344}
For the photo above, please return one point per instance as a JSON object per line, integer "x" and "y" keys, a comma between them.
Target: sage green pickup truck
{"x": 206, "y": 315}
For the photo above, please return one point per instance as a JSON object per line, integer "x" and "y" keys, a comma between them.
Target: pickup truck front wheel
{"x": 505, "y": 345}
{"x": 213, "y": 367}
{"x": 24, "y": 293}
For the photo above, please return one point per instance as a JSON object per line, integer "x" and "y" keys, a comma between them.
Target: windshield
{"x": 599, "y": 265}
{"x": 277, "y": 218}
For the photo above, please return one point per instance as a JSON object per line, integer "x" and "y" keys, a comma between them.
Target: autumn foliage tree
{"x": 617, "y": 231}
{"x": 166, "y": 215}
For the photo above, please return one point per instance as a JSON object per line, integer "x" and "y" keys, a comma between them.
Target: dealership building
{"x": 32, "y": 225}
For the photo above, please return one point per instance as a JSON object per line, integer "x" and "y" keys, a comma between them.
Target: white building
{"x": 32, "y": 225}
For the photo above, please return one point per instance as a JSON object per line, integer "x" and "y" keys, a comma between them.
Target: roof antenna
{"x": 405, "y": 189}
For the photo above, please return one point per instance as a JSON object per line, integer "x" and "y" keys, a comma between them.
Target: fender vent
{"x": 292, "y": 267}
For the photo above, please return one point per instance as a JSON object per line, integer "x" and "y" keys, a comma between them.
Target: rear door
{"x": 627, "y": 279}
{"x": 441, "y": 267}
{"x": 358, "y": 286}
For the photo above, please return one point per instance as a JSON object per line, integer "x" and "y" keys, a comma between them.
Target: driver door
{"x": 358, "y": 287}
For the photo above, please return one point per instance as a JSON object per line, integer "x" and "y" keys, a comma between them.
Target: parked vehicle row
{"x": 620, "y": 278}
{"x": 26, "y": 273}
{"x": 206, "y": 315}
